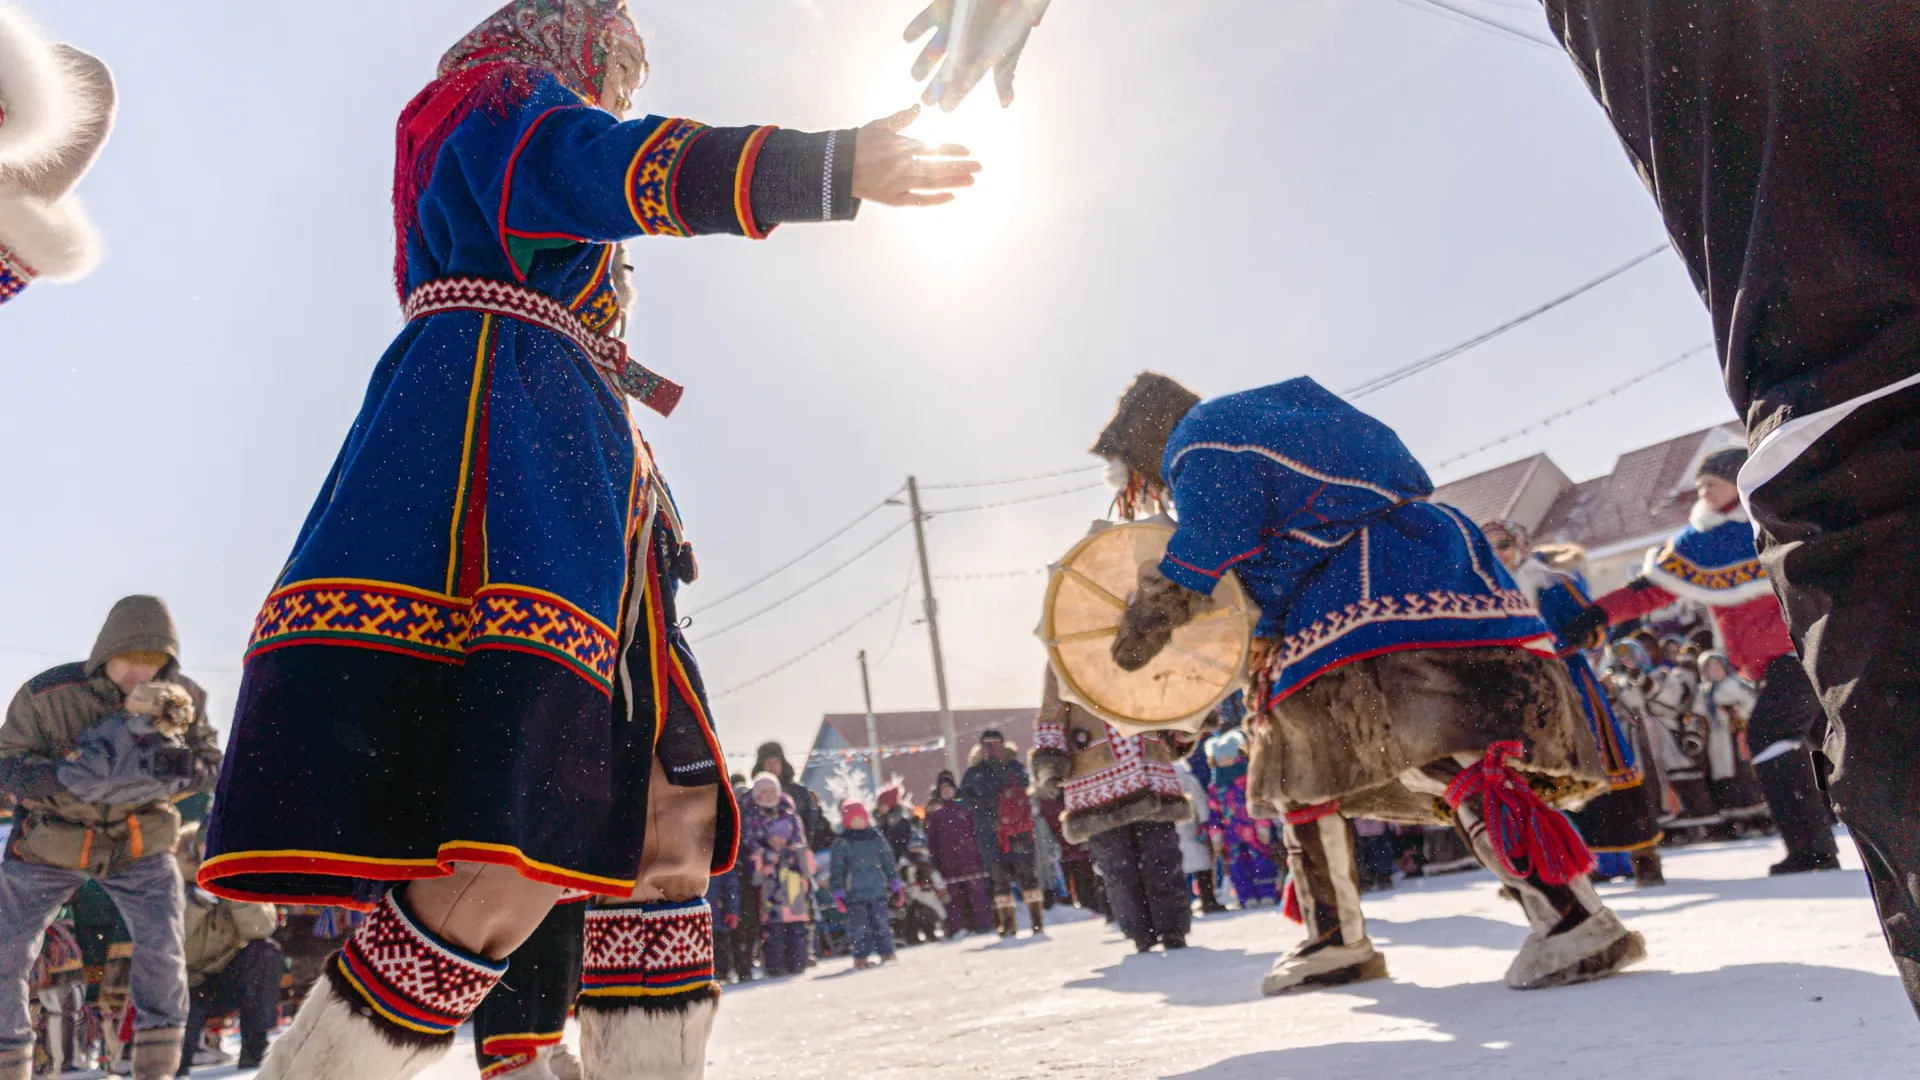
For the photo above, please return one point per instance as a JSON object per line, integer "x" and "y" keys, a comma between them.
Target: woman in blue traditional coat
{"x": 467, "y": 693}
{"x": 1401, "y": 675}
{"x": 1625, "y": 820}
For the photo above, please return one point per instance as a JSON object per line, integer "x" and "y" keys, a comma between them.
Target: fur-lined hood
{"x": 37, "y": 109}
{"x": 56, "y": 111}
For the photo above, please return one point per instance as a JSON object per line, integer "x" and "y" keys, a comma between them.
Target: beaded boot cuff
{"x": 652, "y": 956}
{"x": 415, "y": 985}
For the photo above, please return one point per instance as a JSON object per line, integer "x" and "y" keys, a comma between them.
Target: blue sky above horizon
{"x": 1262, "y": 189}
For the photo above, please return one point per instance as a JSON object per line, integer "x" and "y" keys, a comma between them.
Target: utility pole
{"x": 873, "y": 726}
{"x": 933, "y": 628}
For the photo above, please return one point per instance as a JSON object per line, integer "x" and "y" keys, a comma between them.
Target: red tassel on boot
{"x": 1290, "y": 903}
{"x": 1530, "y": 838}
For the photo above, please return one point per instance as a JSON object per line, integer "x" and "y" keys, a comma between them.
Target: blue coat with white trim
{"x": 1319, "y": 508}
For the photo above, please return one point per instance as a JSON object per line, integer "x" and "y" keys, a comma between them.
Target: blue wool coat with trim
{"x": 473, "y": 648}
{"x": 1319, "y": 508}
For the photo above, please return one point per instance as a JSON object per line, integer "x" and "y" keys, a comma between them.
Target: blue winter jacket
{"x": 863, "y": 866}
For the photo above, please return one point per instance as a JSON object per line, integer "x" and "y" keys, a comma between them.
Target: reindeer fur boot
{"x": 640, "y": 1042}
{"x": 388, "y": 1007}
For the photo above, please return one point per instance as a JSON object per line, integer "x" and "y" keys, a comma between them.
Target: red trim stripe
{"x": 506, "y": 187}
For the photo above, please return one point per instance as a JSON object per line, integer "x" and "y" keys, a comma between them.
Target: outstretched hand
{"x": 894, "y": 170}
{"x": 995, "y": 35}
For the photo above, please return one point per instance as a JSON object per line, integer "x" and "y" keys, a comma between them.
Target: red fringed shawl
{"x": 426, "y": 124}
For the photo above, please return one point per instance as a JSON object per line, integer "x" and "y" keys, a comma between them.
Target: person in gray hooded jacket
{"x": 95, "y": 752}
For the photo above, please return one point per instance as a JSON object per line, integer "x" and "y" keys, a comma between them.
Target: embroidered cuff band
{"x": 648, "y": 955}
{"x": 419, "y": 985}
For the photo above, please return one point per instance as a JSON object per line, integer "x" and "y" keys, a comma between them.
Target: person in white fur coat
{"x": 56, "y": 109}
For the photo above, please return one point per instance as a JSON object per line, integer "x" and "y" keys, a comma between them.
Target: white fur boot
{"x": 642, "y": 1044}
{"x": 1596, "y": 948}
{"x": 328, "y": 1040}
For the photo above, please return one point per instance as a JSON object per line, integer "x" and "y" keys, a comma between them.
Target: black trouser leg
{"x": 257, "y": 970}
{"x": 1840, "y": 539}
{"x": 1209, "y": 901}
{"x": 1788, "y": 713}
{"x": 528, "y": 1009}
{"x": 1118, "y": 854}
{"x": 1164, "y": 883}
{"x": 722, "y": 951}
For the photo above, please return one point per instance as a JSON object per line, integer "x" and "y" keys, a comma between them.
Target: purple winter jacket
{"x": 956, "y": 852}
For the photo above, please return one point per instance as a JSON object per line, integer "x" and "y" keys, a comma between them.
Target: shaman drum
{"x": 1086, "y": 595}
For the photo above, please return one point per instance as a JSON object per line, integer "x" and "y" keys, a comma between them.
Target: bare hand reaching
{"x": 996, "y": 32}
{"x": 894, "y": 170}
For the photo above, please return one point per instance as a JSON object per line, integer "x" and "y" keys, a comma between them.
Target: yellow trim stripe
{"x": 599, "y": 272}
{"x": 536, "y": 864}
{"x": 367, "y": 998}
{"x": 321, "y": 856}
{"x": 466, "y": 451}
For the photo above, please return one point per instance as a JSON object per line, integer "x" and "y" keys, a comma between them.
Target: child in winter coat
{"x": 865, "y": 881}
{"x": 956, "y": 854}
{"x": 783, "y": 869}
{"x": 926, "y": 906}
{"x": 1244, "y": 842}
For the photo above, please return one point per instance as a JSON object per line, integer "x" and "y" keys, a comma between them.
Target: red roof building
{"x": 1616, "y": 517}
{"x": 918, "y": 758}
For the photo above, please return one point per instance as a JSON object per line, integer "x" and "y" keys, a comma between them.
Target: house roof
{"x": 916, "y": 770}
{"x": 1489, "y": 495}
{"x": 1648, "y": 493}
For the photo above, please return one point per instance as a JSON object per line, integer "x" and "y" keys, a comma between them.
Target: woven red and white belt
{"x": 609, "y": 354}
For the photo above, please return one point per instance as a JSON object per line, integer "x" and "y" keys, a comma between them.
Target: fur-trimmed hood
{"x": 56, "y": 111}
{"x": 36, "y": 110}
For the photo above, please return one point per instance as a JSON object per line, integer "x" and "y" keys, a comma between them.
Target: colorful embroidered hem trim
{"x": 649, "y": 950}
{"x": 412, "y": 978}
{"x": 608, "y": 354}
{"x": 1130, "y": 773}
{"x": 1717, "y": 587}
{"x": 214, "y": 872}
{"x": 434, "y": 626}
{"x": 654, "y": 173}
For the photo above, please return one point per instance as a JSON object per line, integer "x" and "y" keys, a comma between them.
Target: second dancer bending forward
{"x": 1400, "y": 674}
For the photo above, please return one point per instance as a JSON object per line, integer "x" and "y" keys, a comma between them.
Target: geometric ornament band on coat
{"x": 608, "y": 354}
{"x": 648, "y": 954}
{"x": 412, "y": 978}
{"x": 433, "y": 626}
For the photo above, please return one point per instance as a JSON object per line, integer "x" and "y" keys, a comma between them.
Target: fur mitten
{"x": 1158, "y": 608}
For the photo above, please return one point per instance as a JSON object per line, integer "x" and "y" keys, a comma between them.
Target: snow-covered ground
{"x": 1747, "y": 977}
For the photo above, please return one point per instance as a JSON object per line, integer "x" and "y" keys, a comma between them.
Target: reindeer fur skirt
{"x": 1348, "y": 735}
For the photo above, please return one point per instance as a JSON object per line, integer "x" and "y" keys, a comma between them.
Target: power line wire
{"x": 783, "y": 567}
{"x": 1013, "y": 479}
{"x": 1015, "y": 502}
{"x": 856, "y": 557}
{"x": 900, "y": 620}
{"x": 1594, "y": 400}
{"x": 1481, "y": 22}
{"x": 816, "y": 647}
{"x": 991, "y": 575}
{"x": 1381, "y": 382}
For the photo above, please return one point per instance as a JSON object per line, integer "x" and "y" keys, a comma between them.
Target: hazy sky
{"x": 1233, "y": 192}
